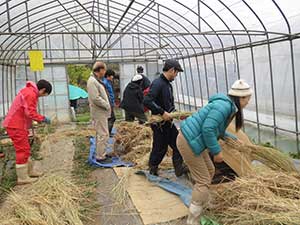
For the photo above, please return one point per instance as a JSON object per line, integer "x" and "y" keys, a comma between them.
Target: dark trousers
{"x": 129, "y": 116}
{"x": 163, "y": 136}
{"x": 111, "y": 120}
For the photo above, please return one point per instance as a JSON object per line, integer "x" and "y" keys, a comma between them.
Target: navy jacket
{"x": 160, "y": 97}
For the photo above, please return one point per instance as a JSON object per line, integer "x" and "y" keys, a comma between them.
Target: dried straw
{"x": 270, "y": 157}
{"x": 130, "y": 134}
{"x": 174, "y": 115}
{"x": 133, "y": 142}
{"x": 119, "y": 191}
{"x": 52, "y": 200}
{"x": 266, "y": 199}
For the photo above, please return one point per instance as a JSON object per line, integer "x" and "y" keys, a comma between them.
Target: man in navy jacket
{"x": 160, "y": 100}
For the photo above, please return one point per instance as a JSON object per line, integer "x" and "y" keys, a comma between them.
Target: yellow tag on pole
{"x": 36, "y": 60}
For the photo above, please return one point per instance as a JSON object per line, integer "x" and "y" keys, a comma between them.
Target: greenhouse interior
{"x": 216, "y": 42}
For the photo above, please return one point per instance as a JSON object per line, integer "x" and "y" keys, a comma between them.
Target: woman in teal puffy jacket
{"x": 199, "y": 135}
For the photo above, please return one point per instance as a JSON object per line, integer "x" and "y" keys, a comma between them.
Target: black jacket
{"x": 160, "y": 97}
{"x": 133, "y": 98}
{"x": 146, "y": 82}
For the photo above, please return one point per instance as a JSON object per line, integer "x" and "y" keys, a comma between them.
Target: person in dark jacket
{"x": 160, "y": 100}
{"x": 132, "y": 101}
{"x": 199, "y": 135}
{"x": 146, "y": 82}
{"x": 108, "y": 82}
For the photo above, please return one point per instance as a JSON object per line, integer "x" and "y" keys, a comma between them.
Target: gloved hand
{"x": 47, "y": 120}
{"x": 218, "y": 158}
{"x": 230, "y": 135}
{"x": 183, "y": 117}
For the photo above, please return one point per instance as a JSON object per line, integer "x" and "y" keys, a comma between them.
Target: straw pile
{"x": 175, "y": 115}
{"x": 270, "y": 157}
{"x": 132, "y": 141}
{"x": 52, "y": 200}
{"x": 269, "y": 198}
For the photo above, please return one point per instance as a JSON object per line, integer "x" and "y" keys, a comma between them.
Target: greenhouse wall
{"x": 56, "y": 105}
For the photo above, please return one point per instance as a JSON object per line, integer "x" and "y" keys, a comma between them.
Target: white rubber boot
{"x": 22, "y": 174}
{"x": 194, "y": 214}
{"x": 34, "y": 169}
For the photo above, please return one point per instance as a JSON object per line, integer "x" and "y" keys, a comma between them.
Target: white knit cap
{"x": 137, "y": 77}
{"x": 240, "y": 88}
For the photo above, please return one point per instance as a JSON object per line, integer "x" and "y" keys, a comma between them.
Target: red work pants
{"x": 20, "y": 140}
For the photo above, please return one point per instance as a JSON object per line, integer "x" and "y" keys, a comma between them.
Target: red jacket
{"x": 23, "y": 109}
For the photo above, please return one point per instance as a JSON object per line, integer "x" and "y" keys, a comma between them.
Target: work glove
{"x": 230, "y": 135}
{"x": 47, "y": 120}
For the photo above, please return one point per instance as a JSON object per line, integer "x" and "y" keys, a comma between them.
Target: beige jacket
{"x": 98, "y": 99}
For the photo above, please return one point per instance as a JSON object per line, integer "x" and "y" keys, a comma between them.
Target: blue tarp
{"x": 184, "y": 192}
{"x": 116, "y": 161}
{"x": 76, "y": 92}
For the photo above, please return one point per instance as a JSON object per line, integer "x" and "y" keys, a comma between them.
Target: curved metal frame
{"x": 137, "y": 24}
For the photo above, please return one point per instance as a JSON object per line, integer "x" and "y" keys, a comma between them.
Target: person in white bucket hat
{"x": 198, "y": 137}
{"x": 240, "y": 89}
{"x": 132, "y": 101}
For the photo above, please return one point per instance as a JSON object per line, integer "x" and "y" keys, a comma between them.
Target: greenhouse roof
{"x": 134, "y": 29}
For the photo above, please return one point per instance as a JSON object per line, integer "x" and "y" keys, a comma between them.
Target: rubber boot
{"x": 180, "y": 168}
{"x": 153, "y": 170}
{"x": 22, "y": 174}
{"x": 194, "y": 214}
{"x": 33, "y": 169}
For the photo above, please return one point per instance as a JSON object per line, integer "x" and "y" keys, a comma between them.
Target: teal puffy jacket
{"x": 203, "y": 128}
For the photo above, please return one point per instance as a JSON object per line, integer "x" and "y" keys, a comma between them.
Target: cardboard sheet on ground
{"x": 154, "y": 204}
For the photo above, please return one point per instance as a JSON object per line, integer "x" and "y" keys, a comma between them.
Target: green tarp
{"x": 76, "y": 92}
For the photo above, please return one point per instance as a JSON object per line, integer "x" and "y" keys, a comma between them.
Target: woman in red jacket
{"x": 17, "y": 122}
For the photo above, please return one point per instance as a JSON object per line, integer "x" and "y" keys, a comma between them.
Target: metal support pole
{"x": 46, "y": 47}
{"x": 63, "y": 45}
{"x": 199, "y": 17}
{"x": 3, "y": 99}
{"x": 192, "y": 83}
{"x": 108, "y": 27}
{"x": 295, "y": 96}
{"x": 7, "y": 84}
{"x": 186, "y": 85}
{"x": 8, "y": 15}
{"x": 53, "y": 80}
{"x": 199, "y": 80}
{"x": 158, "y": 26}
{"x": 272, "y": 94}
{"x": 206, "y": 78}
{"x": 139, "y": 40}
{"x": 25, "y": 66}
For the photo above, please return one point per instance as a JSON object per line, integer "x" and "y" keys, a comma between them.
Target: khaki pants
{"x": 202, "y": 170}
{"x": 102, "y": 135}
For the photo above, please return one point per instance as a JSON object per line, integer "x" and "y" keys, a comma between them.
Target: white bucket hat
{"x": 240, "y": 89}
{"x": 137, "y": 77}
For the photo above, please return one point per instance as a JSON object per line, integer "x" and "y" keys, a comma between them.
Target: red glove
{"x": 183, "y": 117}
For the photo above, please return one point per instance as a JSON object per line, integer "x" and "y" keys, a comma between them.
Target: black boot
{"x": 153, "y": 170}
{"x": 180, "y": 168}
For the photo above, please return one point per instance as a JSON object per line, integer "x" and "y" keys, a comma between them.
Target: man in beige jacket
{"x": 99, "y": 109}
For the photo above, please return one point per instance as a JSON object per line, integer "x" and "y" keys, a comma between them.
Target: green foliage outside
{"x": 78, "y": 75}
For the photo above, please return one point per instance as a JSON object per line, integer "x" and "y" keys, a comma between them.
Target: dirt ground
{"x": 58, "y": 150}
